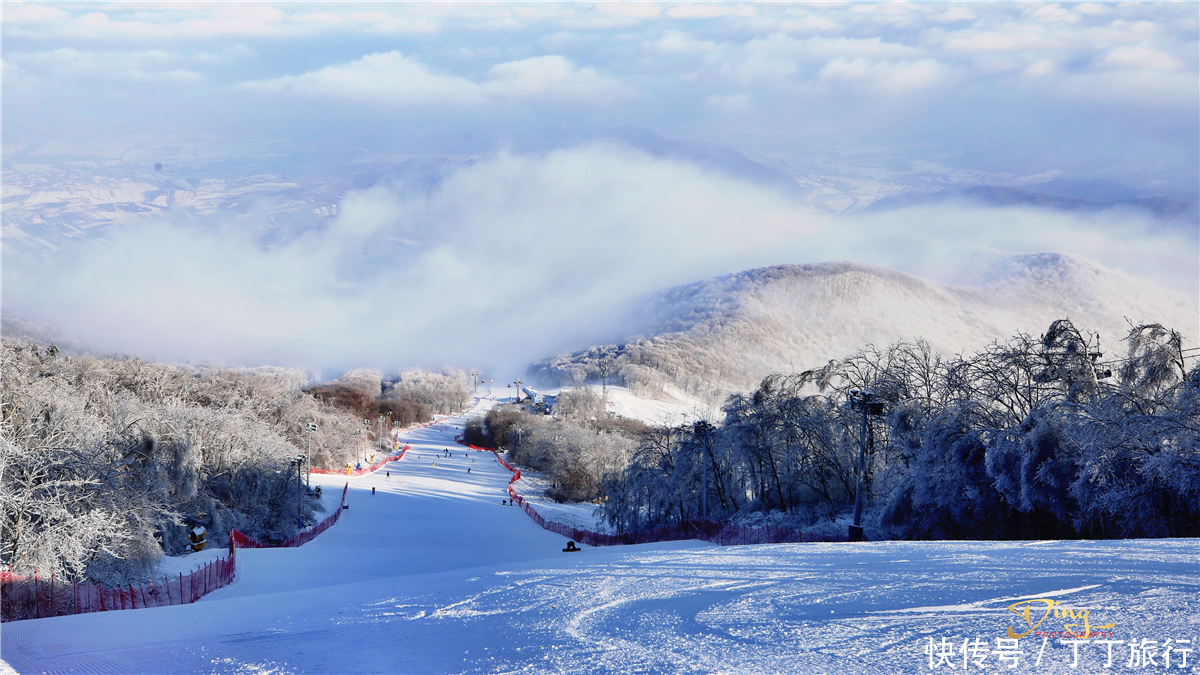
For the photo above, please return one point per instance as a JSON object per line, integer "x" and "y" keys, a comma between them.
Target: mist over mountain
{"x": 710, "y": 156}
{"x": 726, "y": 333}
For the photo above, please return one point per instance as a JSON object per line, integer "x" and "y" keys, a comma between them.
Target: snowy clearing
{"x": 433, "y": 575}
{"x": 677, "y": 408}
{"x": 582, "y": 515}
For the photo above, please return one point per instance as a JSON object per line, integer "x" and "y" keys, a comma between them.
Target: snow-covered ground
{"x": 431, "y": 574}
{"x": 676, "y": 408}
{"x": 583, "y": 515}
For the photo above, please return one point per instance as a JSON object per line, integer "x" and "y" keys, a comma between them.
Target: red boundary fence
{"x": 23, "y": 597}
{"x": 35, "y": 598}
{"x": 240, "y": 540}
{"x": 362, "y": 472}
{"x": 376, "y": 465}
{"x": 724, "y": 534}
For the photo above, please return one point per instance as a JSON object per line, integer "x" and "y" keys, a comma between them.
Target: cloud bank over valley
{"x": 509, "y": 258}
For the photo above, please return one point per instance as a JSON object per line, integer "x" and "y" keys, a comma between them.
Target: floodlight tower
{"x": 862, "y": 401}
{"x": 310, "y": 428}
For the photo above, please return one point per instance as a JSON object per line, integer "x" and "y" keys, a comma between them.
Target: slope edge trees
{"x": 410, "y": 398}
{"x": 578, "y": 450}
{"x": 105, "y": 460}
{"x": 1028, "y": 438}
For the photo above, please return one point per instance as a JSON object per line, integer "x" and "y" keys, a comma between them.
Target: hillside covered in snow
{"x": 727, "y": 333}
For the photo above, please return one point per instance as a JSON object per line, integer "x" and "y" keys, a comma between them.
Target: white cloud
{"x": 1141, "y": 57}
{"x": 133, "y": 65}
{"x": 1092, "y": 9}
{"x": 1041, "y": 68}
{"x": 885, "y": 76}
{"x": 22, "y": 13}
{"x": 583, "y": 231}
{"x": 394, "y": 79}
{"x": 636, "y": 10}
{"x": 551, "y": 77}
{"x": 956, "y": 13}
{"x": 1053, "y": 12}
{"x": 704, "y": 10}
{"x": 388, "y": 78}
{"x": 680, "y": 42}
{"x": 875, "y": 47}
{"x": 732, "y": 103}
{"x": 1018, "y": 39}
{"x": 212, "y": 20}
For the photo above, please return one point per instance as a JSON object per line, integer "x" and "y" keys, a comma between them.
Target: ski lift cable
{"x": 1109, "y": 362}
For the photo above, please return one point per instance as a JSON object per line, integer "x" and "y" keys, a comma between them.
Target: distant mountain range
{"x": 1062, "y": 195}
{"x": 716, "y": 158}
{"x": 727, "y": 333}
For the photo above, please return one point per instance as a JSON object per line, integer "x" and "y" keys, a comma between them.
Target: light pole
{"x": 299, "y": 486}
{"x": 310, "y": 428}
{"x": 379, "y": 439}
{"x": 366, "y": 433}
{"x": 863, "y": 401}
{"x": 604, "y": 366}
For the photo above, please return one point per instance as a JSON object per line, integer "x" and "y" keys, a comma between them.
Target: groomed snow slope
{"x": 432, "y": 575}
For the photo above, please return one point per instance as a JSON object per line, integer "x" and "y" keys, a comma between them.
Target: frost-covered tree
{"x": 105, "y": 460}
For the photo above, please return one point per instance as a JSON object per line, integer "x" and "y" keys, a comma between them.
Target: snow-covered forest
{"x": 105, "y": 462}
{"x": 409, "y": 398}
{"x": 1029, "y": 438}
{"x": 725, "y": 334}
{"x": 576, "y": 450}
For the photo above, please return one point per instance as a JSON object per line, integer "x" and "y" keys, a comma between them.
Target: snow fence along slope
{"x": 31, "y": 597}
{"x": 385, "y": 460}
{"x": 724, "y": 534}
{"x": 23, "y": 597}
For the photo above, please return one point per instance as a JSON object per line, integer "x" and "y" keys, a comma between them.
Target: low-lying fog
{"x": 513, "y": 257}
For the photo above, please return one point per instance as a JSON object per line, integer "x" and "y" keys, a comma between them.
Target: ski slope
{"x": 431, "y": 574}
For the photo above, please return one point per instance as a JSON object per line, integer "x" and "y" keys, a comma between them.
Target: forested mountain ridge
{"x": 727, "y": 333}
